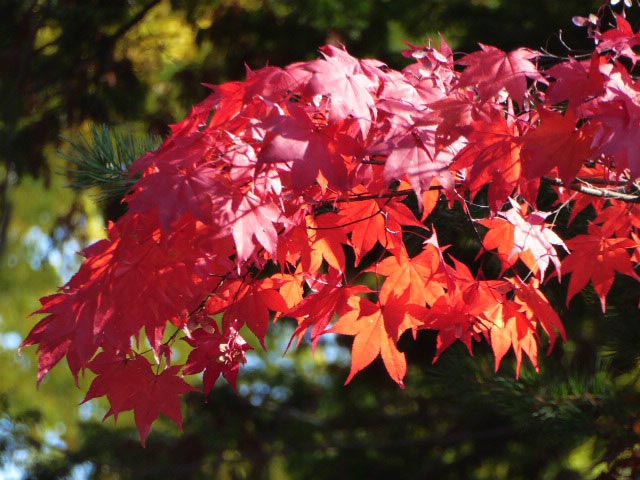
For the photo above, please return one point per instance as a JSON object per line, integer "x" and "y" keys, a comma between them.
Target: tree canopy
{"x": 307, "y": 191}
{"x": 584, "y": 392}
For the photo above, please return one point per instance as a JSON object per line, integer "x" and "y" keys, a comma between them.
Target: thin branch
{"x": 51, "y": 43}
{"x": 376, "y": 196}
{"x": 353, "y": 222}
{"x": 372, "y": 161}
{"x": 602, "y": 181}
{"x": 593, "y": 191}
{"x": 582, "y": 185}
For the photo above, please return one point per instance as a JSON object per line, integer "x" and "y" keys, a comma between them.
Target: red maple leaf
{"x": 173, "y": 191}
{"x": 621, "y": 40}
{"x": 216, "y": 354}
{"x": 74, "y": 315}
{"x": 467, "y": 310}
{"x": 618, "y": 128}
{"x": 493, "y": 157}
{"x": 557, "y": 143}
{"x": 317, "y": 310}
{"x": 595, "y": 258}
{"x": 455, "y": 113}
{"x": 272, "y": 83}
{"x": 576, "y": 81}
{"x": 54, "y": 335}
{"x": 289, "y": 285}
{"x": 619, "y": 219}
{"x": 131, "y": 384}
{"x": 247, "y": 303}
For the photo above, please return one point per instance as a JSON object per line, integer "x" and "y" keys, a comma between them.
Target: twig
{"x": 593, "y": 191}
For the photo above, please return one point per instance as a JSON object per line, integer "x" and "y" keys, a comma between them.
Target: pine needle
{"x": 102, "y": 159}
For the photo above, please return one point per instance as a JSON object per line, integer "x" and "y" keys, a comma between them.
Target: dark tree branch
{"x": 132, "y": 22}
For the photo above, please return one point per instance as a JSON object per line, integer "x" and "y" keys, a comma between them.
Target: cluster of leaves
{"x": 301, "y": 191}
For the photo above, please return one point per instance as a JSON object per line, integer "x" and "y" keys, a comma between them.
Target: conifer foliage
{"x": 306, "y": 192}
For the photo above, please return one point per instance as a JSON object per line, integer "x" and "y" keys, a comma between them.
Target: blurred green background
{"x": 138, "y": 65}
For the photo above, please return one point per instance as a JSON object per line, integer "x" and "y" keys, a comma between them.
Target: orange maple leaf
{"x": 378, "y": 220}
{"x": 368, "y": 324}
{"x": 326, "y": 238}
{"x": 418, "y": 275}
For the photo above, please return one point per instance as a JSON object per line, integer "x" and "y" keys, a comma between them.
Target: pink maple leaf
{"x": 340, "y": 77}
{"x": 533, "y": 240}
{"x": 251, "y": 218}
{"x": 492, "y": 69}
{"x": 416, "y": 156}
{"x": 295, "y": 141}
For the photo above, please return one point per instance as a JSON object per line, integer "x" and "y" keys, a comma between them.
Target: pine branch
{"x": 102, "y": 159}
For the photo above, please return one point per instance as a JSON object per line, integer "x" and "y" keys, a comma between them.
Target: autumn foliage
{"x": 307, "y": 192}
